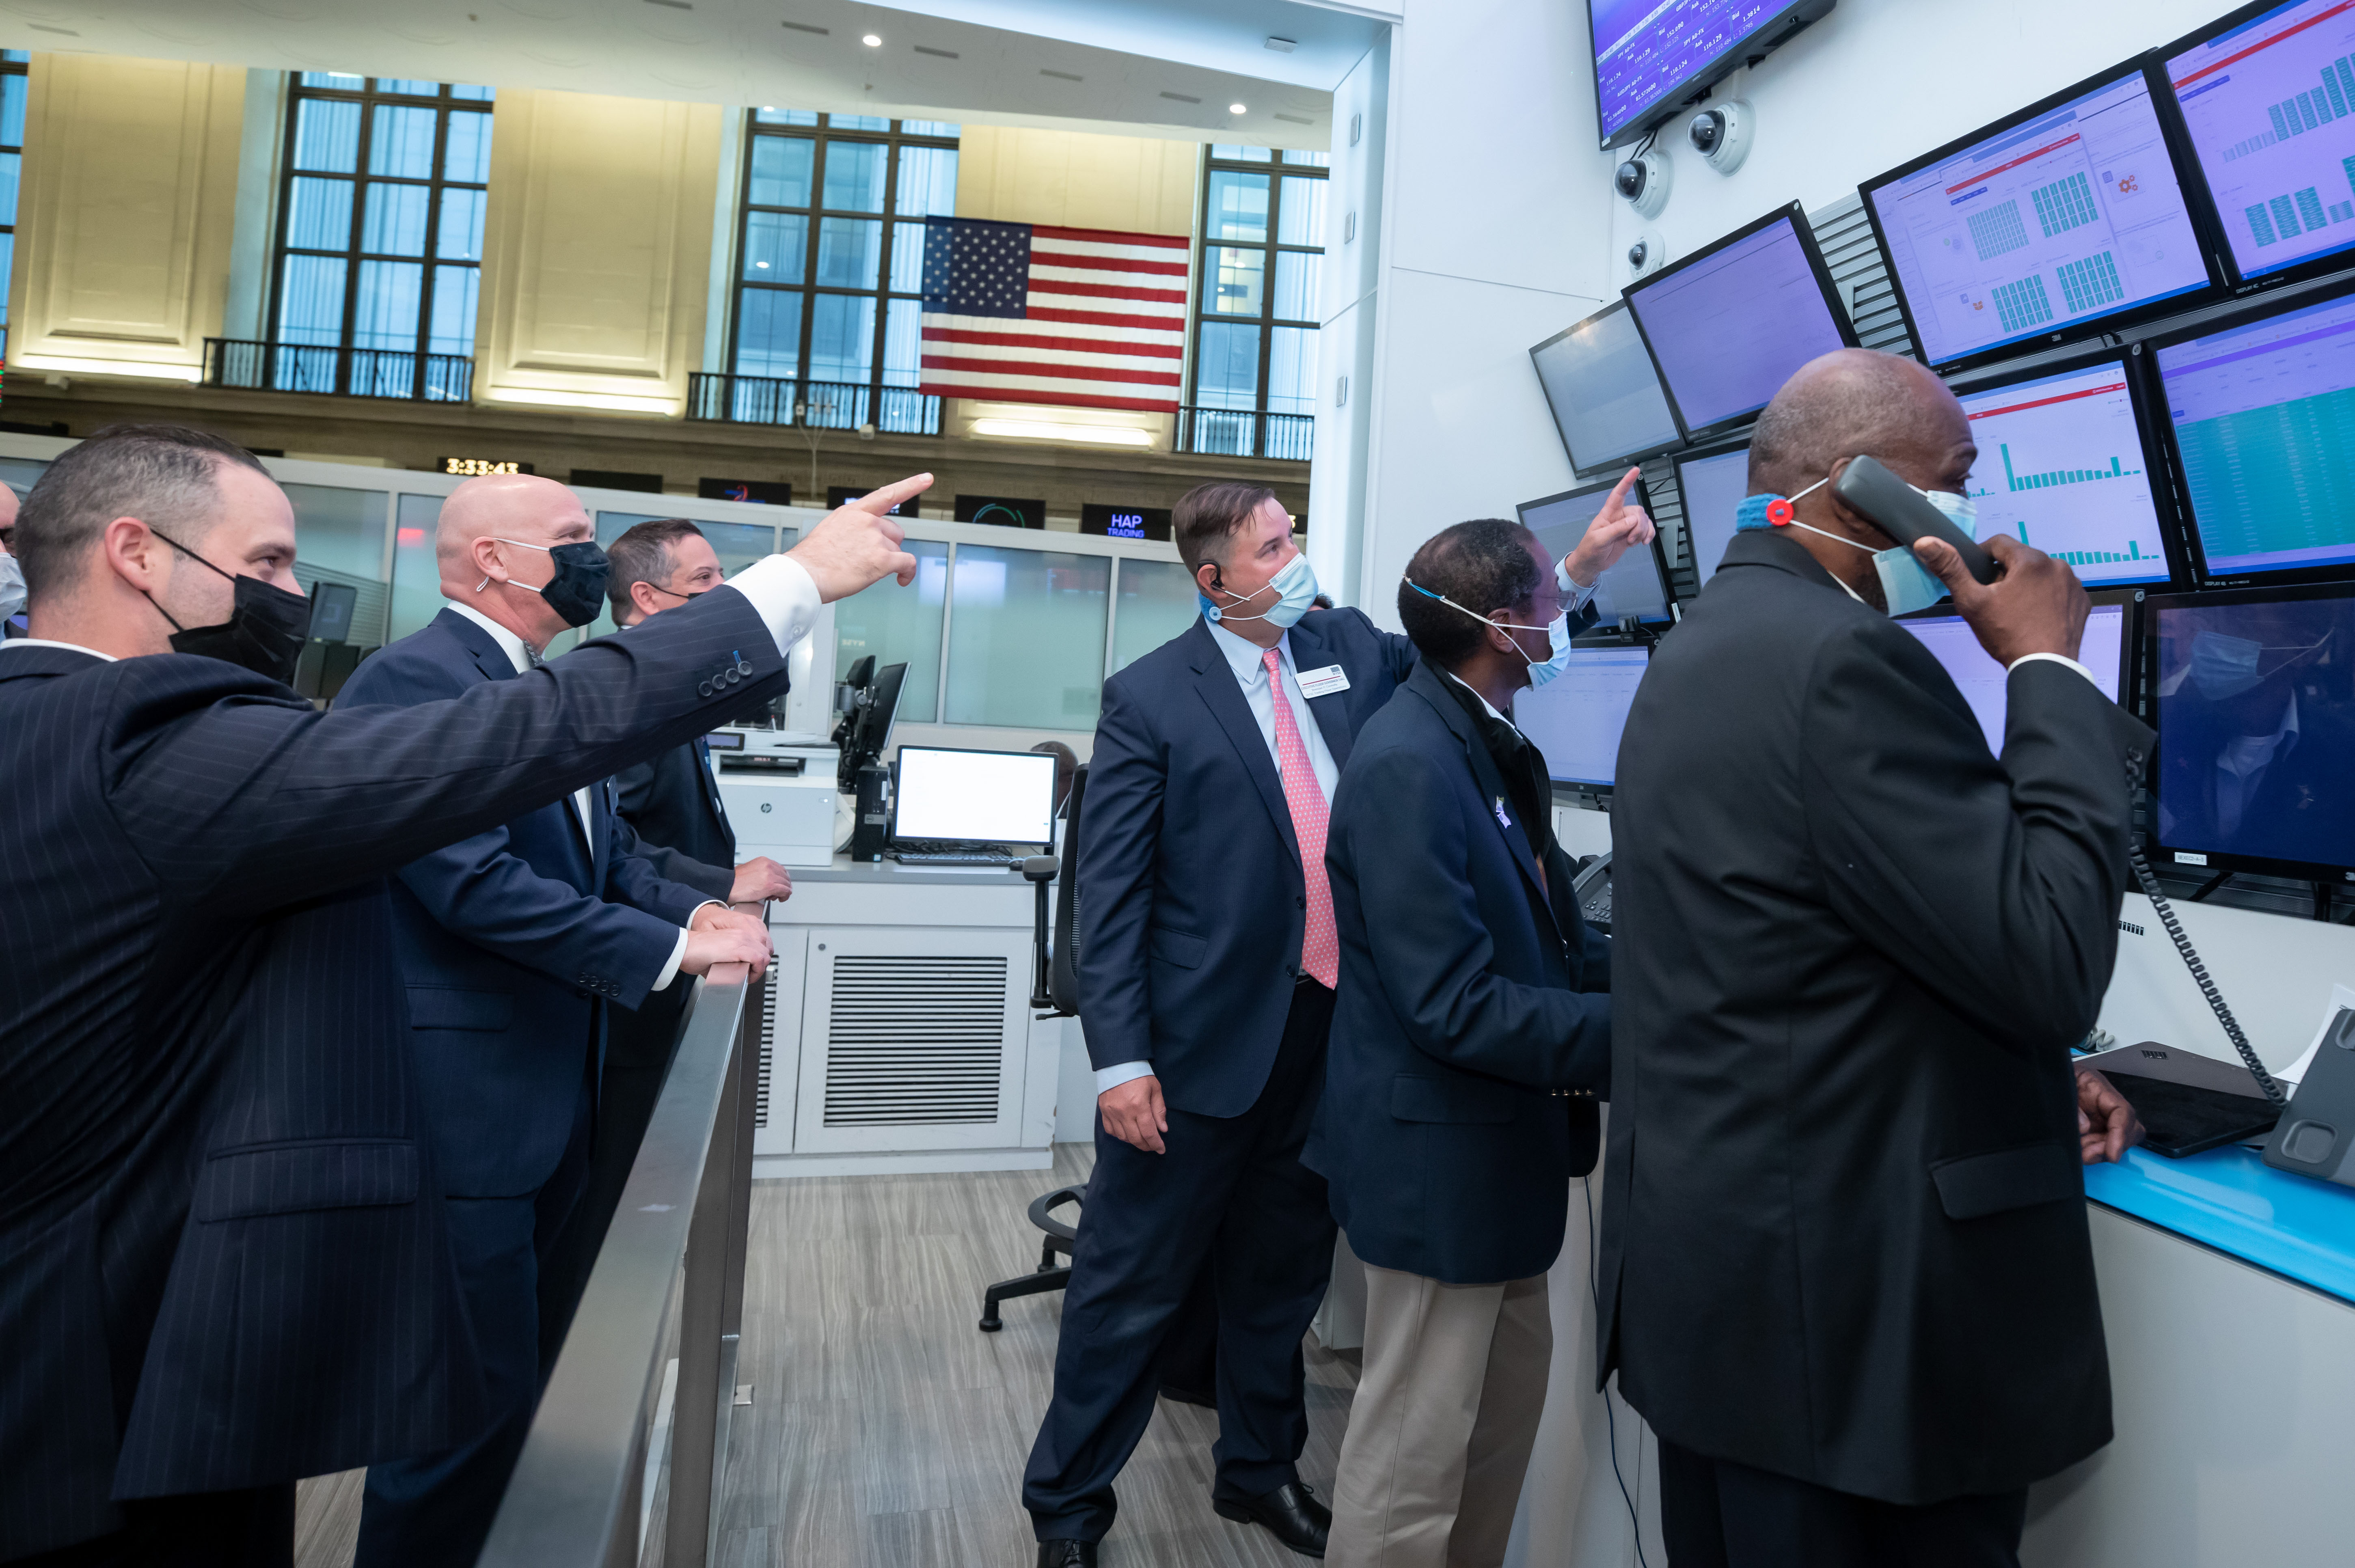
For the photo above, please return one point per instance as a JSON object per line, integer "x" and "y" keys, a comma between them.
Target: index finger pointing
{"x": 1618, "y": 495}
{"x": 881, "y": 501}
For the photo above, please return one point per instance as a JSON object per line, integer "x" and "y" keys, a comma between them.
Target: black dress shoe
{"x": 1067, "y": 1554}
{"x": 1291, "y": 1513}
{"x": 1189, "y": 1396}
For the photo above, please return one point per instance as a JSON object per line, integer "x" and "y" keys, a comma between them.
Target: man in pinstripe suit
{"x": 220, "y": 1265}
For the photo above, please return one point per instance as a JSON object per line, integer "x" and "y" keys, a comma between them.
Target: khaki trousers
{"x": 1446, "y": 1415}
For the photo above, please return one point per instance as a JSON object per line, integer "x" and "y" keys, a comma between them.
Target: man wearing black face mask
{"x": 223, "y": 1261}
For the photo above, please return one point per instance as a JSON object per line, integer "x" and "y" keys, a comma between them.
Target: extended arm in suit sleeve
{"x": 1407, "y": 849}
{"x": 1119, "y": 844}
{"x": 1994, "y": 885}
{"x": 658, "y": 881}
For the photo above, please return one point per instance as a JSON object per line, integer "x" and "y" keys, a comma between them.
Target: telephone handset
{"x": 1901, "y": 513}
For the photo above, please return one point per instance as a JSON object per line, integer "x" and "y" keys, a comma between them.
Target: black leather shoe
{"x": 1067, "y": 1554}
{"x": 1291, "y": 1513}
{"x": 1189, "y": 1396}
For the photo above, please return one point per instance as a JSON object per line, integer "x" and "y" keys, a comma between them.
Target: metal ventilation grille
{"x": 915, "y": 1040}
{"x": 768, "y": 1048}
{"x": 1845, "y": 236}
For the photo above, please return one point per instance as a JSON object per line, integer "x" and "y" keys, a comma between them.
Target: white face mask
{"x": 12, "y": 585}
{"x": 1557, "y": 632}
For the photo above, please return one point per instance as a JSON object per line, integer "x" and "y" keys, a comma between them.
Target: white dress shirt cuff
{"x": 784, "y": 595}
{"x": 1114, "y": 1077}
{"x": 2056, "y": 658}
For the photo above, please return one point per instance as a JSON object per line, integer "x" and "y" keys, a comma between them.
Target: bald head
{"x": 492, "y": 545}
{"x": 1850, "y": 402}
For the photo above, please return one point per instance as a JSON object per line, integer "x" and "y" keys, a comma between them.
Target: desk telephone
{"x": 1590, "y": 890}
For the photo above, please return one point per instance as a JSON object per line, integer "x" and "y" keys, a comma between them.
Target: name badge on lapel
{"x": 1323, "y": 682}
{"x": 1502, "y": 820}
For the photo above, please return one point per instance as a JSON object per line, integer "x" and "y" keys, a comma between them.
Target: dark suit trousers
{"x": 439, "y": 1509}
{"x": 253, "y": 1527}
{"x": 1718, "y": 1514}
{"x": 1231, "y": 1193}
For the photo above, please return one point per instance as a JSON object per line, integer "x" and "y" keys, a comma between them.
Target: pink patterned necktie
{"x": 1320, "y": 948}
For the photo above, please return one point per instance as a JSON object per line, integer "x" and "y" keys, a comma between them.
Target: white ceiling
{"x": 1126, "y": 65}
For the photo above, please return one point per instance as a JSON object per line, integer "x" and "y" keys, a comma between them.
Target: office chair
{"x": 1058, "y": 989}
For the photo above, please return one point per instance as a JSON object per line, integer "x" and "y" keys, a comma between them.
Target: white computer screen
{"x": 974, "y": 797}
{"x": 2061, "y": 467}
{"x": 1632, "y": 586}
{"x": 1576, "y": 718}
{"x": 1981, "y": 680}
{"x": 1713, "y": 488}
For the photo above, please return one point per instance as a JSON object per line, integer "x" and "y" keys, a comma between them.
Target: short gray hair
{"x": 163, "y": 474}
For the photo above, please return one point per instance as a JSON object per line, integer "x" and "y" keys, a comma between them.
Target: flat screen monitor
{"x": 2253, "y": 692}
{"x": 1727, "y": 325}
{"x": 2267, "y": 97}
{"x": 331, "y": 610}
{"x": 2066, "y": 464}
{"x": 1576, "y": 718}
{"x": 2048, "y": 226}
{"x": 1637, "y": 585}
{"x": 1652, "y": 54}
{"x": 2104, "y": 649}
{"x": 1605, "y": 394}
{"x": 973, "y": 797}
{"x": 1712, "y": 484}
{"x": 2263, "y": 416}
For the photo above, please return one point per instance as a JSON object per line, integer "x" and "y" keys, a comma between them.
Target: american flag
{"x": 1024, "y": 313}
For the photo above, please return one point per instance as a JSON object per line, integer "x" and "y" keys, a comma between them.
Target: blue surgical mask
{"x": 1295, "y": 587}
{"x": 12, "y": 585}
{"x": 1906, "y": 585}
{"x": 2224, "y": 666}
{"x": 1557, "y": 632}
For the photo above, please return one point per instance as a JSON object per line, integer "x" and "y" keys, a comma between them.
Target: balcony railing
{"x": 813, "y": 405}
{"x": 1247, "y": 432}
{"x": 338, "y": 372}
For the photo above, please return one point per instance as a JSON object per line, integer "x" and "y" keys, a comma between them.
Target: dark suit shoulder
{"x": 429, "y": 662}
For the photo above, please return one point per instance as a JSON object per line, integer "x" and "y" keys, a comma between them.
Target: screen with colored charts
{"x": 1982, "y": 682}
{"x": 2265, "y": 432}
{"x": 2270, "y": 105}
{"x": 1727, "y": 328}
{"x": 1605, "y": 394}
{"x": 2061, "y": 467}
{"x": 1713, "y": 487}
{"x": 1576, "y": 718}
{"x": 1632, "y": 587}
{"x": 2042, "y": 227}
{"x": 1646, "y": 49}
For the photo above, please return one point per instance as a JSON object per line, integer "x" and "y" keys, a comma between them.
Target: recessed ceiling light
{"x": 1234, "y": 109}
{"x": 871, "y": 41}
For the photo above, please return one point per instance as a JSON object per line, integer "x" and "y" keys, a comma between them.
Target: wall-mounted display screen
{"x": 2264, "y": 417}
{"x": 1713, "y": 485}
{"x": 1637, "y": 585}
{"x": 1004, "y": 511}
{"x": 1605, "y": 394}
{"x": 1649, "y": 54}
{"x": 1125, "y": 522}
{"x": 1983, "y": 683}
{"x": 1577, "y": 718}
{"x": 2027, "y": 233}
{"x": 2268, "y": 99}
{"x": 1727, "y": 325}
{"x": 2063, "y": 465}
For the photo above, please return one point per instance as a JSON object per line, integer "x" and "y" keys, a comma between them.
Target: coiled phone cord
{"x": 2200, "y": 973}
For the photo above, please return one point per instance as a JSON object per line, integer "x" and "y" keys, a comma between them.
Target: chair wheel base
{"x": 992, "y": 1325}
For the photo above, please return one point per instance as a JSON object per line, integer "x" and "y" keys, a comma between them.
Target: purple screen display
{"x": 1644, "y": 49}
{"x": 1729, "y": 329}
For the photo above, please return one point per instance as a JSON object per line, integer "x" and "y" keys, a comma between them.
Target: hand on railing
{"x": 726, "y": 937}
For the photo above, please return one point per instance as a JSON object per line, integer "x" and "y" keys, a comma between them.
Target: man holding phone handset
{"x": 1846, "y": 1272}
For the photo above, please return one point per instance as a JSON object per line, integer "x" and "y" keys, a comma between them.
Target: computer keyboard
{"x": 956, "y": 857}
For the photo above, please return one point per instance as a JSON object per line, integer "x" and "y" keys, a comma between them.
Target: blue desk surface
{"x": 2232, "y": 1200}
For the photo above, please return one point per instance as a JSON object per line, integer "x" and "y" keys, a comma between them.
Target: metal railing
{"x": 577, "y": 1495}
{"x": 813, "y": 405}
{"x": 1247, "y": 432}
{"x": 338, "y": 372}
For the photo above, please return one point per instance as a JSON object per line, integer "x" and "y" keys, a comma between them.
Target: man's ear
{"x": 1206, "y": 585}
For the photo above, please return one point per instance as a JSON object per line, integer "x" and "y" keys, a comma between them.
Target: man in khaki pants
{"x": 1467, "y": 1053}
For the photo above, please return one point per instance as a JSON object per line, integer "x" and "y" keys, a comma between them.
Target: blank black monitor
{"x": 2263, "y": 413}
{"x": 1637, "y": 585}
{"x": 2267, "y": 96}
{"x": 1727, "y": 326}
{"x": 2054, "y": 223}
{"x": 2254, "y": 693}
{"x": 1576, "y": 719}
{"x": 973, "y": 797}
{"x": 1605, "y": 394}
{"x": 1714, "y": 483}
{"x": 2106, "y": 648}
{"x": 331, "y": 610}
{"x": 875, "y": 721}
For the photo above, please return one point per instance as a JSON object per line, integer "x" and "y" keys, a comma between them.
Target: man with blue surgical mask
{"x": 1208, "y": 960}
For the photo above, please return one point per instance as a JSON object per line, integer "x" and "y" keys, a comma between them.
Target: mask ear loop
{"x": 1499, "y": 625}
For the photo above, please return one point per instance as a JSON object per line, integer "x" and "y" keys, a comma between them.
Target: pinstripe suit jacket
{"x": 216, "y": 1269}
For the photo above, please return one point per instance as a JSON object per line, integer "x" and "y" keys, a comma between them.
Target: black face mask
{"x": 266, "y": 628}
{"x": 577, "y": 591}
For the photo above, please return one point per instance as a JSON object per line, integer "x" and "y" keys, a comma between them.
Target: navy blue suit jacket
{"x": 1465, "y": 1008}
{"x": 671, "y": 805}
{"x": 220, "y": 1262}
{"x": 1191, "y": 899}
{"x": 512, "y": 941}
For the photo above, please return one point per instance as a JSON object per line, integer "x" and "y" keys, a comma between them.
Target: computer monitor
{"x": 865, "y": 733}
{"x": 1727, "y": 325}
{"x": 2066, "y": 464}
{"x": 973, "y": 797}
{"x": 2106, "y": 649}
{"x": 1576, "y": 718}
{"x": 2266, "y": 97}
{"x": 1605, "y": 394}
{"x": 2063, "y": 219}
{"x": 2253, "y": 698}
{"x": 1712, "y": 484}
{"x": 2262, "y": 441}
{"x": 1651, "y": 54}
{"x": 331, "y": 610}
{"x": 1637, "y": 585}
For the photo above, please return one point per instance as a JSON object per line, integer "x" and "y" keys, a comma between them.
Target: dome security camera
{"x": 1643, "y": 181}
{"x": 1722, "y": 135}
{"x": 1647, "y": 255}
